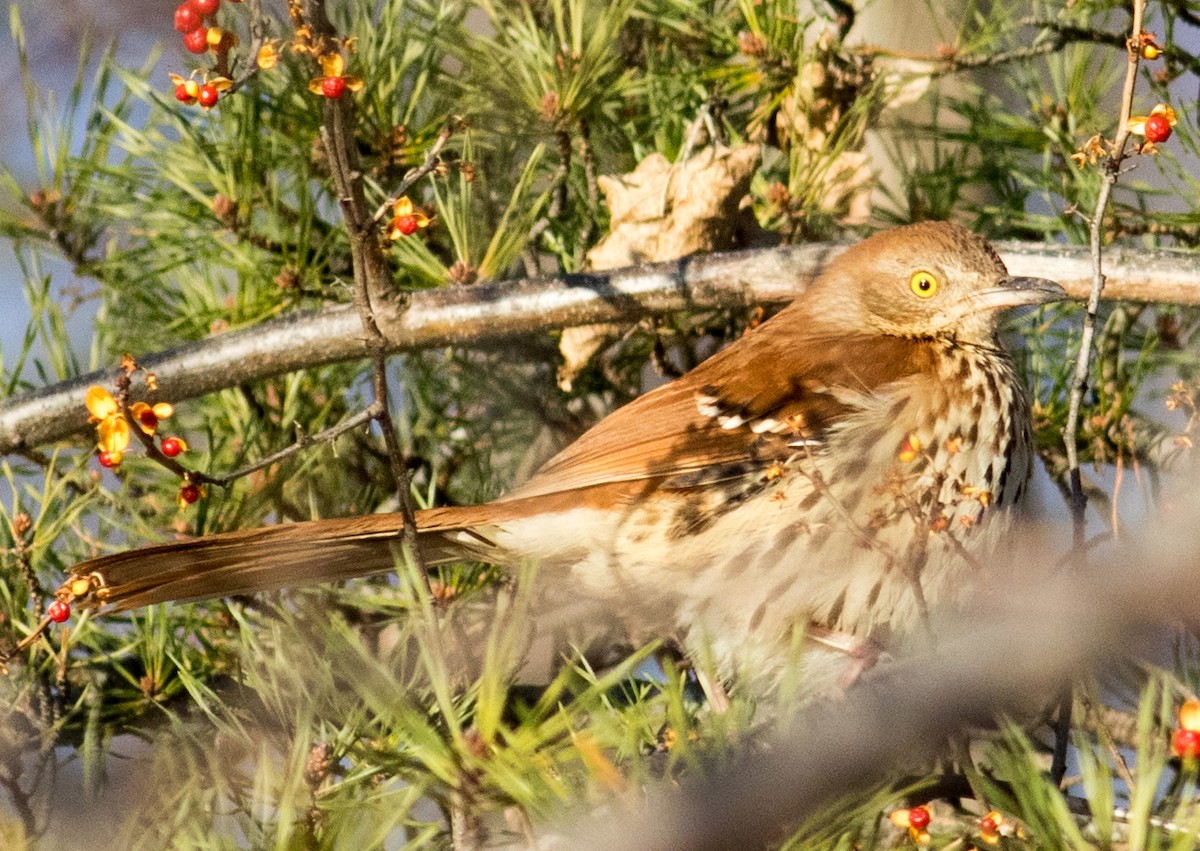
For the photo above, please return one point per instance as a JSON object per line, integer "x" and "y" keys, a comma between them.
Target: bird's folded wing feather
{"x": 749, "y": 404}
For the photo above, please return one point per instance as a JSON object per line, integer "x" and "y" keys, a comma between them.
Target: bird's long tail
{"x": 264, "y": 559}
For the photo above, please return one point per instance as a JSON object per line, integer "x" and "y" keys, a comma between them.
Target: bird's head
{"x": 928, "y": 280}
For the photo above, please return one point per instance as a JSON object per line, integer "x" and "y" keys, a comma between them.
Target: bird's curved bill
{"x": 1015, "y": 292}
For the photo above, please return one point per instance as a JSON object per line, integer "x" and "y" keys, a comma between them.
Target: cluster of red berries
{"x": 171, "y": 447}
{"x": 148, "y": 418}
{"x": 991, "y": 827}
{"x": 192, "y": 18}
{"x": 189, "y": 92}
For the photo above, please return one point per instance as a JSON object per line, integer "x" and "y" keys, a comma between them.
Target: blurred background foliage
{"x": 325, "y": 717}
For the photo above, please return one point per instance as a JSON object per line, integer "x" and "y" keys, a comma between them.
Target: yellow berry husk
{"x": 100, "y": 403}
{"x": 1189, "y": 715}
{"x": 268, "y": 57}
{"x": 79, "y": 586}
{"x": 1166, "y": 112}
{"x": 332, "y": 64}
{"x": 113, "y": 434}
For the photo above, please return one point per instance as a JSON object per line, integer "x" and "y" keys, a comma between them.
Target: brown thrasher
{"x": 836, "y": 470}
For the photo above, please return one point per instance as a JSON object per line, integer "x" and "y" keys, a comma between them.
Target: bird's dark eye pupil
{"x": 924, "y": 284}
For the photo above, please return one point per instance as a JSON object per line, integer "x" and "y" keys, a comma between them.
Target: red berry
{"x": 1158, "y": 128}
{"x": 1186, "y": 743}
{"x": 206, "y": 7}
{"x": 189, "y": 493}
{"x": 333, "y": 87}
{"x": 187, "y": 18}
{"x": 109, "y": 459}
{"x": 919, "y": 817}
{"x": 989, "y": 824}
{"x": 58, "y": 611}
{"x": 208, "y": 96}
{"x": 196, "y": 41}
{"x": 182, "y": 93}
{"x": 148, "y": 418}
{"x": 406, "y": 224}
{"x": 171, "y": 446}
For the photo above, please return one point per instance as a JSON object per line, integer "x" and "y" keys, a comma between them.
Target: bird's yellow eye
{"x": 923, "y": 284}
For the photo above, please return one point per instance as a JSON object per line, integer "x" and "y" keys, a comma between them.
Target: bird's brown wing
{"x": 751, "y": 403}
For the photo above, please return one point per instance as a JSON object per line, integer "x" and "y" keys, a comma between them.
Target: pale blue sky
{"x": 55, "y": 34}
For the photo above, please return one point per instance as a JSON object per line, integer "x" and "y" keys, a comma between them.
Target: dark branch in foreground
{"x": 490, "y": 312}
{"x": 1011, "y": 657}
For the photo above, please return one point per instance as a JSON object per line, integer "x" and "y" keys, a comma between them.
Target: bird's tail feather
{"x": 267, "y": 558}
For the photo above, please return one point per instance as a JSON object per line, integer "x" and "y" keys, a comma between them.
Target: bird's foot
{"x": 864, "y": 654}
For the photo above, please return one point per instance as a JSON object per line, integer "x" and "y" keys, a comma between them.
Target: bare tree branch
{"x": 490, "y": 312}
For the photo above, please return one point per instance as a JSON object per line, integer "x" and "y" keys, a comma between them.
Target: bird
{"x": 826, "y": 478}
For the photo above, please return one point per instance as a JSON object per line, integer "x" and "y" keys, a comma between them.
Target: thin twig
{"x": 971, "y": 63}
{"x": 559, "y": 187}
{"x": 588, "y": 157}
{"x": 1073, "y": 34}
{"x": 1079, "y": 381}
{"x": 466, "y": 830}
{"x": 18, "y": 799}
{"x": 433, "y": 159}
{"x": 21, "y": 525}
{"x": 260, "y": 28}
{"x": 373, "y": 284}
{"x": 303, "y": 441}
{"x": 1095, "y": 720}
